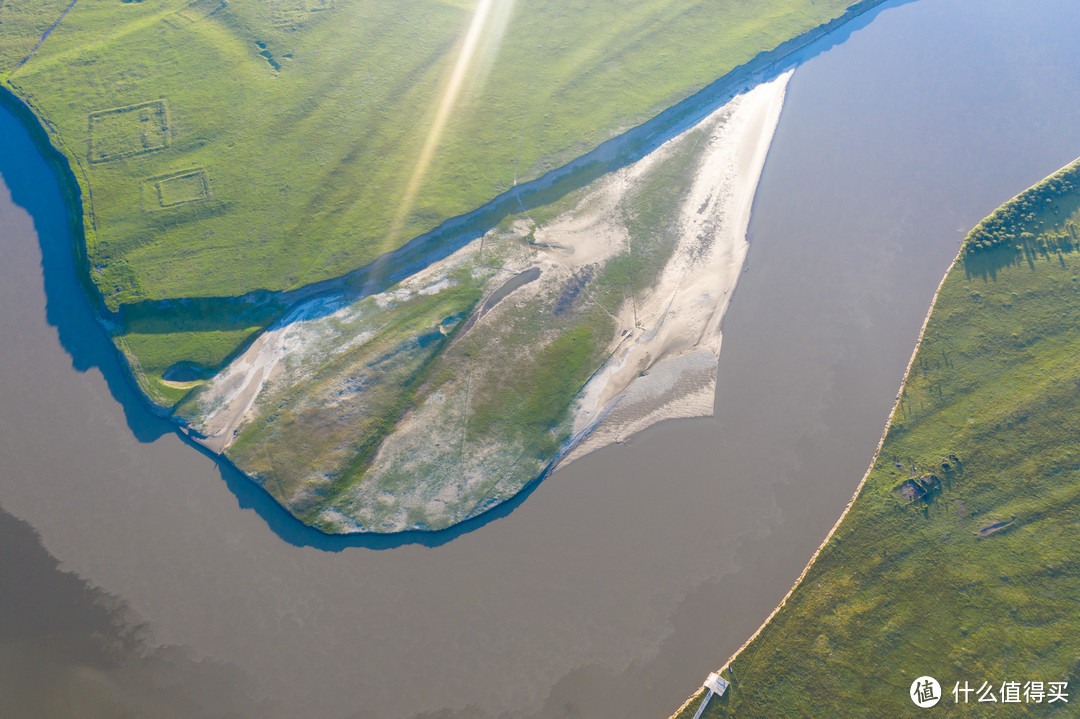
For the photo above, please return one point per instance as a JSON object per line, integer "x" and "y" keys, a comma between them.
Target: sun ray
{"x": 463, "y": 66}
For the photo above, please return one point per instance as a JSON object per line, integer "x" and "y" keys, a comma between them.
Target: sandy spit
{"x": 665, "y": 367}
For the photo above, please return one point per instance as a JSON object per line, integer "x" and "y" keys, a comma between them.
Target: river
{"x": 139, "y": 575}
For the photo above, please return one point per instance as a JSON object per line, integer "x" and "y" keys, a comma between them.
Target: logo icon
{"x": 925, "y": 692}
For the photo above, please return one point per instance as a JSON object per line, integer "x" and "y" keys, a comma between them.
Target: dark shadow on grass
{"x": 985, "y": 264}
{"x": 201, "y": 314}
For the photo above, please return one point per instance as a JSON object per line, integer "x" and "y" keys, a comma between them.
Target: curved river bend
{"x": 622, "y": 579}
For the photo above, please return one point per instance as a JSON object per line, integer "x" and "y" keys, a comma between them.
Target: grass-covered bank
{"x": 216, "y": 172}
{"x": 223, "y": 148}
{"x": 959, "y": 556}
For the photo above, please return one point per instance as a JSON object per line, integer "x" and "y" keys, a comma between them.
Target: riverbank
{"x": 909, "y": 583}
{"x": 690, "y": 705}
{"x": 47, "y": 141}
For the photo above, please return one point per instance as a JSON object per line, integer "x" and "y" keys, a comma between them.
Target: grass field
{"x": 978, "y": 580}
{"x": 228, "y": 147}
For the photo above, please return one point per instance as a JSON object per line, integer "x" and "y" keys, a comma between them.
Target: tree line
{"x": 1013, "y": 223}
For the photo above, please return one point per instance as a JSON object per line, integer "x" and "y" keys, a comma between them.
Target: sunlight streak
{"x": 476, "y": 33}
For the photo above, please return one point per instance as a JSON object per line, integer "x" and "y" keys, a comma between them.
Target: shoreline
{"x": 961, "y": 251}
{"x": 39, "y": 129}
{"x": 454, "y": 232}
{"x": 858, "y": 490}
{"x": 881, "y": 440}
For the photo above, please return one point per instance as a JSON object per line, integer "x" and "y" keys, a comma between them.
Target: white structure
{"x": 717, "y": 685}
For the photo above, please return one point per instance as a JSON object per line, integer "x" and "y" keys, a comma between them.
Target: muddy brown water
{"x": 137, "y": 576}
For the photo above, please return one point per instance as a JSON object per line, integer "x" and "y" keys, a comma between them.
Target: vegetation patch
{"x": 188, "y": 340}
{"x": 125, "y": 131}
{"x": 1024, "y": 223}
{"x": 311, "y": 440}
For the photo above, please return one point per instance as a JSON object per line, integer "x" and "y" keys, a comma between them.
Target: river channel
{"x": 140, "y": 578}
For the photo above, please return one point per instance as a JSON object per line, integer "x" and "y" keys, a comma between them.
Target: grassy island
{"x": 960, "y": 556}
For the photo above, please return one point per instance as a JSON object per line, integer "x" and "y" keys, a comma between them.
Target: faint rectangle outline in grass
{"x": 201, "y": 9}
{"x": 126, "y": 131}
{"x": 178, "y": 188}
{"x": 292, "y": 12}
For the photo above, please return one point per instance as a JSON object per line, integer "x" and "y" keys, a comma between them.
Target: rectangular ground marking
{"x": 126, "y": 131}
{"x": 180, "y": 187}
{"x": 201, "y": 9}
{"x": 288, "y": 12}
{"x": 293, "y": 12}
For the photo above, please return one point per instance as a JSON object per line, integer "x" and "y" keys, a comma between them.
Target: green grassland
{"x": 979, "y": 580}
{"x": 306, "y": 161}
{"x": 228, "y": 147}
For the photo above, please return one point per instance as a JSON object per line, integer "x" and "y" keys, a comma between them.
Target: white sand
{"x": 665, "y": 367}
